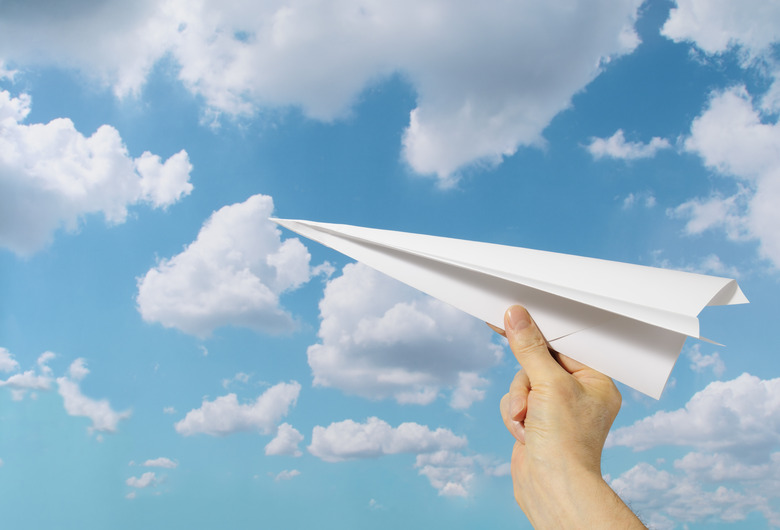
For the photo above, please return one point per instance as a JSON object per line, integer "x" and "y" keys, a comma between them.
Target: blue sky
{"x": 169, "y": 358}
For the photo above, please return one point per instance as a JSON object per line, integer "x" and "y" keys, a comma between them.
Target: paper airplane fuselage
{"x": 626, "y": 321}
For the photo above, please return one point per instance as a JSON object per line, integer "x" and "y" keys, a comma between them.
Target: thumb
{"x": 528, "y": 345}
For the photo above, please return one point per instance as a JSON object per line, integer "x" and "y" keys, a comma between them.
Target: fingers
{"x": 515, "y": 427}
{"x": 518, "y": 396}
{"x": 515, "y": 404}
{"x": 528, "y": 345}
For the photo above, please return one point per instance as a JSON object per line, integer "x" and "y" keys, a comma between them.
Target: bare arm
{"x": 559, "y": 412}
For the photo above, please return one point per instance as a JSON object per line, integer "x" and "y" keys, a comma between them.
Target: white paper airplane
{"x": 626, "y": 321}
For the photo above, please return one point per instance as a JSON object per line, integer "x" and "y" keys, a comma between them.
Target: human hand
{"x": 560, "y": 412}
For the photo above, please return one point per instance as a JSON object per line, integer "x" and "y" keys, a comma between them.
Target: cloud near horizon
{"x": 733, "y": 428}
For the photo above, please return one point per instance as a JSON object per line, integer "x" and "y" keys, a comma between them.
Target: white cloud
{"x": 240, "y": 377}
{"x": 43, "y": 361}
{"x": 144, "y": 481}
{"x": 103, "y": 417}
{"x": 78, "y": 369}
{"x": 616, "y": 146}
{"x": 663, "y": 498}
{"x": 480, "y": 92}
{"x": 732, "y": 139}
{"x": 701, "y": 362}
{"x": 734, "y": 429}
{"x": 232, "y": 274}
{"x": 28, "y": 380}
{"x": 348, "y": 440}
{"x": 715, "y": 26}
{"x": 7, "y": 361}
{"x": 161, "y": 462}
{"x": 493, "y": 469}
{"x": 287, "y": 474}
{"x": 169, "y": 410}
{"x": 380, "y": 338}
{"x": 709, "y": 264}
{"x": 468, "y": 390}
{"x": 747, "y": 408}
{"x": 225, "y": 415}
{"x": 21, "y": 383}
{"x": 7, "y": 73}
{"x": 285, "y": 442}
{"x": 450, "y": 473}
{"x": 712, "y": 264}
{"x": 52, "y": 176}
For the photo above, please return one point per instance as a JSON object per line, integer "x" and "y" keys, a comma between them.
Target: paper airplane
{"x": 626, "y": 321}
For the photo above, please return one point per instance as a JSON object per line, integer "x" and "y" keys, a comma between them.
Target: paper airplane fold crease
{"x": 627, "y": 321}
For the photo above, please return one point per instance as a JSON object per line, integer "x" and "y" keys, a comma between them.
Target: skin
{"x": 559, "y": 412}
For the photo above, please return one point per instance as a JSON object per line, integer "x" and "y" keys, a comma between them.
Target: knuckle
{"x": 529, "y": 346}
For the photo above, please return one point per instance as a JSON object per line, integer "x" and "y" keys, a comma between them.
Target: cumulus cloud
{"x": 7, "y": 361}
{"x": 482, "y": 88}
{"x": 747, "y": 408}
{"x": 349, "y": 440}
{"x": 78, "y": 369}
{"x": 380, "y": 339}
{"x": 285, "y": 442}
{"x": 449, "y": 472}
{"x": 144, "y": 481}
{"x": 732, "y": 139}
{"x": 468, "y": 390}
{"x": 733, "y": 428}
{"x": 232, "y": 274}
{"x": 225, "y": 415}
{"x": 103, "y": 417}
{"x": 616, "y": 146}
{"x": 665, "y": 498}
{"x": 715, "y": 26}
{"x": 161, "y": 462}
{"x": 52, "y": 176}
{"x": 28, "y": 380}
{"x": 43, "y": 362}
{"x": 21, "y": 383}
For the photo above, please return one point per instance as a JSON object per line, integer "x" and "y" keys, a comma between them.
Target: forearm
{"x": 582, "y": 500}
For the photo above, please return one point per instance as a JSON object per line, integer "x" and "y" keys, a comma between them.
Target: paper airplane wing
{"x": 626, "y": 321}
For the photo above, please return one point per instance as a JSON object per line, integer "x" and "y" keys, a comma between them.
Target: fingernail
{"x": 519, "y": 319}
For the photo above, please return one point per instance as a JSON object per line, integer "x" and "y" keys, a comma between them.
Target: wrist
{"x": 581, "y": 498}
